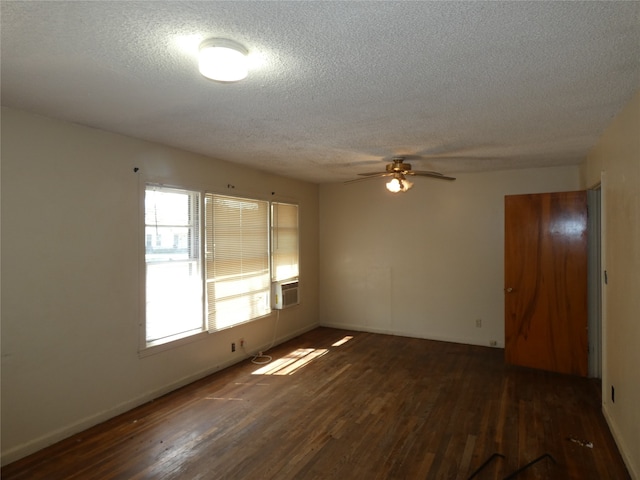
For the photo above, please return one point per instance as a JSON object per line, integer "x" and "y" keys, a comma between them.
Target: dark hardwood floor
{"x": 374, "y": 407}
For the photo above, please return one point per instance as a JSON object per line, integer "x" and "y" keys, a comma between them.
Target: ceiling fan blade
{"x": 429, "y": 174}
{"x": 376, "y": 174}
{"x": 368, "y": 176}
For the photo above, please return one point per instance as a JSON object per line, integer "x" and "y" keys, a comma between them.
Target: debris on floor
{"x": 582, "y": 443}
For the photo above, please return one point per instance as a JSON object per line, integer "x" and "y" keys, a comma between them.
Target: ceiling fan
{"x": 399, "y": 170}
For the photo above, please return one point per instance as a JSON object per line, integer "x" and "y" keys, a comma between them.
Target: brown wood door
{"x": 546, "y": 281}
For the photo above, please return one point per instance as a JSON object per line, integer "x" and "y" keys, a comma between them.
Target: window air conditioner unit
{"x": 285, "y": 294}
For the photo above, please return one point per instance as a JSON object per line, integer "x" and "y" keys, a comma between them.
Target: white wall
{"x": 427, "y": 263}
{"x": 617, "y": 155}
{"x": 71, "y": 258}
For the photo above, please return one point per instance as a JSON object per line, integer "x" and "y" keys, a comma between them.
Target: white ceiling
{"x": 336, "y": 88}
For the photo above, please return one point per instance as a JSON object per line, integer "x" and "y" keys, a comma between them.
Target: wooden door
{"x": 546, "y": 281}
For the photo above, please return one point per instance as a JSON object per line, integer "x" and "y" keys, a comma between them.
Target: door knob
{"x": 508, "y": 290}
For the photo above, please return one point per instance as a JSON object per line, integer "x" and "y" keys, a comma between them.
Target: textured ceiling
{"x": 335, "y": 88}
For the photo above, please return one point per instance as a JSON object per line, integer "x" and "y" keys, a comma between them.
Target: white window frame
{"x": 193, "y": 261}
{"x": 148, "y": 348}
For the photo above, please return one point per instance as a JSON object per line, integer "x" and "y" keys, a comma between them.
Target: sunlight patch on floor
{"x": 291, "y": 363}
{"x": 342, "y": 341}
{"x": 294, "y": 361}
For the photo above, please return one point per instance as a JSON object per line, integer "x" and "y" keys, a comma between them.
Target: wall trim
{"x": 622, "y": 447}
{"x": 32, "y": 446}
{"x": 438, "y": 338}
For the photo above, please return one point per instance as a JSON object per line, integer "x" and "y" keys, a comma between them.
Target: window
{"x": 173, "y": 266}
{"x": 284, "y": 241}
{"x": 224, "y": 280}
{"x": 237, "y": 267}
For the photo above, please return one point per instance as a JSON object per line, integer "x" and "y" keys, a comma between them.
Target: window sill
{"x": 172, "y": 342}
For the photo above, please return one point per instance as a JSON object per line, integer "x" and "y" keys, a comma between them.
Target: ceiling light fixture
{"x": 399, "y": 184}
{"x": 223, "y": 60}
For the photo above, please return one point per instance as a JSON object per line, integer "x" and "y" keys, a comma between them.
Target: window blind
{"x": 284, "y": 240}
{"x": 237, "y": 260}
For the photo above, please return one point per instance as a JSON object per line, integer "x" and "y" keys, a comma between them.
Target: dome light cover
{"x": 223, "y": 60}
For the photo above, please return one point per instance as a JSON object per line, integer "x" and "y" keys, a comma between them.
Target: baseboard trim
{"x": 622, "y": 447}
{"x": 439, "y": 338}
{"x": 25, "y": 449}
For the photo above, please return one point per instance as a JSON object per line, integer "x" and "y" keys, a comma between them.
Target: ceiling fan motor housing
{"x": 398, "y": 166}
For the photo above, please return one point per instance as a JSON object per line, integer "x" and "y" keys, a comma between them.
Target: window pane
{"x": 170, "y": 243}
{"x": 166, "y": 207}
{"x": 174, "y": 300}
{"x": 235, "y": 310}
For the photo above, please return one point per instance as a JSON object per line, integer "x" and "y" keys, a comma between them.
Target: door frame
{"x": 603, "y": 289}
{"x": 594, "y": 294}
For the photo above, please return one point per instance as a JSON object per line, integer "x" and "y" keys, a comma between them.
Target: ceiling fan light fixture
{"x": 223, "y": 60}
{"x": 399, "y": 184}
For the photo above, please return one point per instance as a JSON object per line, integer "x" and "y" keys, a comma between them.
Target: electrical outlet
{"x": 493, "y": 343}
{"x": 478, "y": 322}
{"x": 233, "y": 346}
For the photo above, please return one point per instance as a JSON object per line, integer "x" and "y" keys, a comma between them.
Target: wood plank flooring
{"x": 374, "y": 407}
